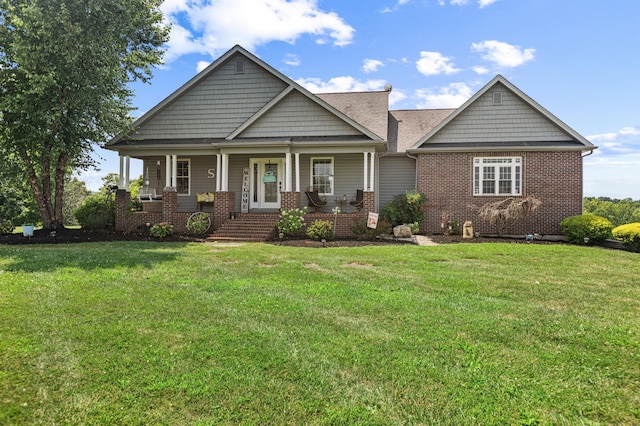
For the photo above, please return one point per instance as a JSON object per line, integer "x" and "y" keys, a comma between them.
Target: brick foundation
{"x": 289, "y": 200}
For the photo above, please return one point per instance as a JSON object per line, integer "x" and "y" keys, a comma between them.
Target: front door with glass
{"x": 266, "y": 183}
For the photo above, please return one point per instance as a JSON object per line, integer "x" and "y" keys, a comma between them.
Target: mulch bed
{"x": 84, "y": 235}
{"x": 64, "y": 236}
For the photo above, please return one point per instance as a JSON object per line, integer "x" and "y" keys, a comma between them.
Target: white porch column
{"x": 167, "y": 171}
{"x": 366, "y": 170}
{"x": 218, "y": 172}
{"x": 127, "y": 161}
{"x": 287, "y": 172}
{"x": 371, "y": 174}
{"x": 225, "y": 172}
{"x": 297, "y": 154}
{"x": 174, "y": 171}
{"x": 121, "y": 174}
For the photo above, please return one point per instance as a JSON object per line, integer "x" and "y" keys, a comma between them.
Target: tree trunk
{"x": 59, "y": 190}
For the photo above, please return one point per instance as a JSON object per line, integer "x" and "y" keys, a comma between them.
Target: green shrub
{"x": 6, "y": 227}
{"x": 629, "y": 234}
{"x": 320, "y": 230}
{"x": 161, "y": 230}
{"x": 95, "y": 212}
{"x": 404, "y": 208}
{"x": 363, "y": 232}
{"x": 586, "y": 229}
{"x": 291, "y": 221}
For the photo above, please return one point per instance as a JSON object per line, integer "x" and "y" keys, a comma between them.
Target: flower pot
{"x": 27, "y": 230}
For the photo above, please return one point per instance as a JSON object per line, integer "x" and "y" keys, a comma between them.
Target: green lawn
{"x": 168, "y": 333}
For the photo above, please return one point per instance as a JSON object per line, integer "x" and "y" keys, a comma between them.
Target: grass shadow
{"x": 88, "y": 256}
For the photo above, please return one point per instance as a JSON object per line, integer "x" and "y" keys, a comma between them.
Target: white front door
{"x": 266, "y": 182}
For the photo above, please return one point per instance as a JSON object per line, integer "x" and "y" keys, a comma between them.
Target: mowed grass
{"x": 168, "y": 333}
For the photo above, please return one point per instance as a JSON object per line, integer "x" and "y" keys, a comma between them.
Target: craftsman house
{"x": 255, "y": 141}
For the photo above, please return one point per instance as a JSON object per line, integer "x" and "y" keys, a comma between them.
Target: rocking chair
{"x": 314, "y": 199}
{"x": 359, "y": 201}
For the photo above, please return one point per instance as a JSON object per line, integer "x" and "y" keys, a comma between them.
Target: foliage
{"x": 363, "y": 232}
{"x": 75, "y": 191}
{"x": 65, "y": 73}
{"x": 198, "y": 223}
{"x": 161, "y": 230}
{"x": 415, "y": 227}
{"x": 586, "y": 229}
{"x": 6, "y": 226}
{"x": 320, "y": 230}
{"x": 629, "y": 234}
{"x": 96, "y": 211}
{"x": 291, "y": 221}
{"x": 11, "y": 205}
{"x": 617, "y": 211}
{"x": 502, "y": 212}
{"x": 404, "y": 208}
{"x": 134, "y": 333}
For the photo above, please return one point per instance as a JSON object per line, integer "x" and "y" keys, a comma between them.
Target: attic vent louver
{"x": 239, "y": 66}
{"x": 497, "y": 98}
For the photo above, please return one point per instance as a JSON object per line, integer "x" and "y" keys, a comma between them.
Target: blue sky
{"x": 578, "y": 58}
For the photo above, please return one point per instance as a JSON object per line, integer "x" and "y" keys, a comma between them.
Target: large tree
{"x": 65, "y": 69}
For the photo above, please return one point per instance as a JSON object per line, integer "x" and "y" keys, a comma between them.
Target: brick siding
{"x": 555, "y": 178}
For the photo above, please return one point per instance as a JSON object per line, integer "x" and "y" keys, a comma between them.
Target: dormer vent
{"x": 497, "y": 98}
{"x": 239, "y": 66}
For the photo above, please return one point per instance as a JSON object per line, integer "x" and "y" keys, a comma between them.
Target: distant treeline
{"x": 619, "y": 212}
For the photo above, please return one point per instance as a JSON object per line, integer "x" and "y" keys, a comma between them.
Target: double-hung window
{"x": 497, "y": 176}
{"x": 322, "y": 175}
{"x": 183, "y": 177}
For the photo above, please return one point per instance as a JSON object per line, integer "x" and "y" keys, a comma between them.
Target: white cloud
{"x": 292, "y": 60}
{"x": 452, "y": 96}
{"x": 340, "y": 84}
{"x": 485, "y": 3}
{"x": 503, "y": 54}
{"x": 624, "y": 141}
{"x": 481, "y": 3}
{"x": 480, "y": 70}
{"x": 371, "y": 65}
{"x": 434, "y": 63}
{"x": 202, "y": 65}
{"x": 211, "y": 26}
{"x": 396, "y": 96}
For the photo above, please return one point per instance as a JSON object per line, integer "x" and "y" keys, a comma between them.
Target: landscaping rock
{"x": 402, "y": 231}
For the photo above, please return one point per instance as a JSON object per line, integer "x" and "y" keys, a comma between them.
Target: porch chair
{"x": 314, "y": 199}
{"x": 359, "y": 201}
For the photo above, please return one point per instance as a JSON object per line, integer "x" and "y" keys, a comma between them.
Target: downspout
{"x": 582, "y": 180}
{"x": 415, "y": 182}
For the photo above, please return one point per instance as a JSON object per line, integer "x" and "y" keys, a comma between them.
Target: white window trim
{"x": 516, "y": 175}
{"x": 188, "y": 160}
{"x": 330, "y": 173}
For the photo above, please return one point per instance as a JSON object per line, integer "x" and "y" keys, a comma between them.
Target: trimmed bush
{"x": 161, "y": 230}
{"x": 629, "y": 234}
{"x": 95, "y": 212}
{"x": 586, "y": 229}
{"x": 320, "y": 230}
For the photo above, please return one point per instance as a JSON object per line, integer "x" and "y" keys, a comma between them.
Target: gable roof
{"x": 287, "y": 86}
{"x": 568, "y": 138}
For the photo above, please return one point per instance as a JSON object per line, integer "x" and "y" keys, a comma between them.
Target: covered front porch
{"x": 243, "y": 182}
